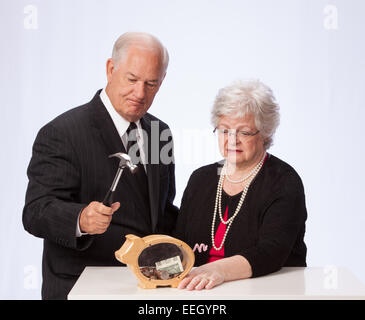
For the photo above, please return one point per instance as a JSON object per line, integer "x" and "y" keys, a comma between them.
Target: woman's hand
{"x": 206, "y": 276}
{"x": 213, "y": 274}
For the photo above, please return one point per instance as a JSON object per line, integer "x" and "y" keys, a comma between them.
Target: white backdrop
{"x": 310, "y": 52}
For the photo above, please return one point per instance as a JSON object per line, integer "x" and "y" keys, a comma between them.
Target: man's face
{"x": 134, "y": 82}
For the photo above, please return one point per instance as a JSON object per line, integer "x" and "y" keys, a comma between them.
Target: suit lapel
{"x": 105, "y": 126}
{"x": 153, "y": 173}
{"x": 113, "y": 143}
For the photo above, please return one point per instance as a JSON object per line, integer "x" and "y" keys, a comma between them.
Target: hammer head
{"x": 125, "y": 161}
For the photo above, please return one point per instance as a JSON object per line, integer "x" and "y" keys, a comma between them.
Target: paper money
{"x": 172, "y": 265}
{"x": 153, "y": 273}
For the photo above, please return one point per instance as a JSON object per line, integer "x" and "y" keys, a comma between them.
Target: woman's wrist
{"x": 234, "y": 268}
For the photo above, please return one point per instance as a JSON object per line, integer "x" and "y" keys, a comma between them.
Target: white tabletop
{"x": 289, "y": 283}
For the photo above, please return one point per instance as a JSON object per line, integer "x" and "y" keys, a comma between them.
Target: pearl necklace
{"x": 218, "y": 200}
{"x": 236, "y": 181}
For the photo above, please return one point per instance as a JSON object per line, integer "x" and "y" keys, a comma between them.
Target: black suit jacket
{"x": 70, "y": 168}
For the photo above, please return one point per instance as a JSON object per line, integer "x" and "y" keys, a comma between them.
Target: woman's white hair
{"x": 138, "y": 38}
{"x": 249, "y": 97}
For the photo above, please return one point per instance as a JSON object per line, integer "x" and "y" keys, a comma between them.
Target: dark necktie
{"x": 133, "y": 149}
{"x": 132, "y": 145}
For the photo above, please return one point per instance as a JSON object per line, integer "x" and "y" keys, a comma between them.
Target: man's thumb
{"x": 115, "y": 206}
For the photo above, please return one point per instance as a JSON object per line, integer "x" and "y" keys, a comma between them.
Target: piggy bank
{"x": 156, "y": 260}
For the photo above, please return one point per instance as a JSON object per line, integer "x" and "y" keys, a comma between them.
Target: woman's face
{"x": 238, "y": 148}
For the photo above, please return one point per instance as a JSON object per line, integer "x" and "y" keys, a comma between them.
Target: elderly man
{"x": 70, "y": 172}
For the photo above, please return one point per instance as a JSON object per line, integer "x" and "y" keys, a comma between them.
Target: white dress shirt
{"x": 122, "y": 125}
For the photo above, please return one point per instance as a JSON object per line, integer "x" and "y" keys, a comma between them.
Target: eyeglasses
{"x": 238, "y": 133}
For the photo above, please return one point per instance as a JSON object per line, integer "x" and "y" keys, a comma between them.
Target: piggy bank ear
{"x": 137, "y": 241}
{"x": 132, "y": 237}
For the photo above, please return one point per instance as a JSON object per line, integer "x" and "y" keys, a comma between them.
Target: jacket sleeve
{"x": 171, "y": 211}
{"x": 283, "y": 220}
{"x": 51, "y": 208}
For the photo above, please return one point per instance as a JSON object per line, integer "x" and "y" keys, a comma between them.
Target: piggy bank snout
{"x": 122, "y": 255}
{"x": 128, "y": 253}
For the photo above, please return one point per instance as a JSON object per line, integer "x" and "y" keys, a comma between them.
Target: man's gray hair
{"x": 138, "y": 38}
{"x": 249, "y": 97}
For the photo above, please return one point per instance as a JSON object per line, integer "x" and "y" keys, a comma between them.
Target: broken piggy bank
{"x": 156, "y": 260}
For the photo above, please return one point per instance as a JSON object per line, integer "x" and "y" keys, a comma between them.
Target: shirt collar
{"x": 120, "y": 123}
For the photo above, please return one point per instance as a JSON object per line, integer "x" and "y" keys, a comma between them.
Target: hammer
{"x": 125, "y": 162}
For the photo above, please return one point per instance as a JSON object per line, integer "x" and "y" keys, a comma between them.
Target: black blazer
{"x": 70, "y": 168}
{"x": 270, "y": 227}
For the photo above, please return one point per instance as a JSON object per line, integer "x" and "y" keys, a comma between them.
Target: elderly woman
{"x": 245, "y": 216}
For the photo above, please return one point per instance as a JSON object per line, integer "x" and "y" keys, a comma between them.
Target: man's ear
{"x": 109, "y": 69}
